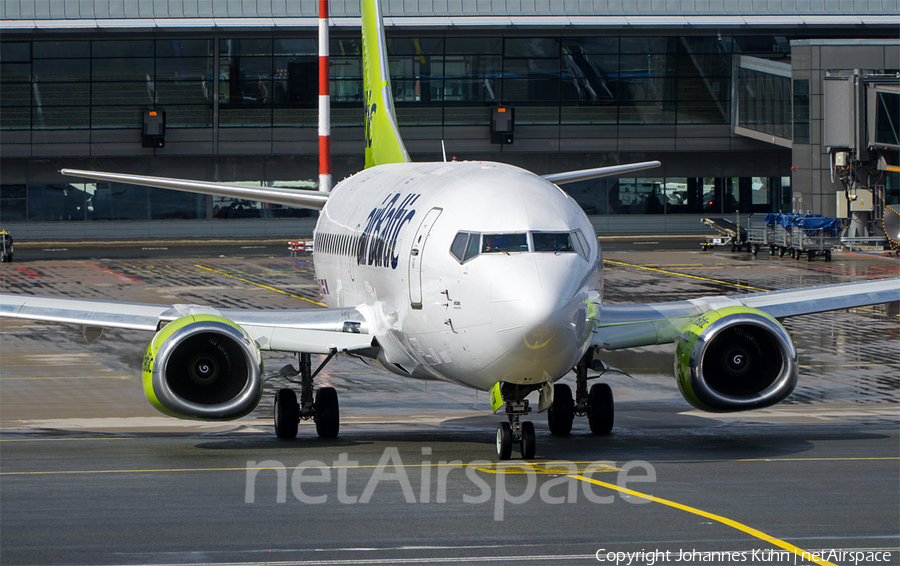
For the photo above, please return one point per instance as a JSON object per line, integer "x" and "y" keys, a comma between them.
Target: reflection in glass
{"x": 168, "y": 205}
{"x": 117, "y": 201}
{"x": 591, "y": 69}
{"x": 531, "y": 47}
{"x": 12, "y": 203}
{"x": 55, "y": 202}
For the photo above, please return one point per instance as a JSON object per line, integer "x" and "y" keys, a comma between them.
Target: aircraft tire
{"x": 328, "y": 414}
{"x": 562, "y": 412}
{"x": 504, "y": 441}
{"x": 600, "y": 408}
{"x": 528, "y": 440}
{"x": 287, "y": 413}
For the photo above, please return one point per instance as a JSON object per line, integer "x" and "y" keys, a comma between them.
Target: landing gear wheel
{"x": 561, "y": 414}
{"x": 527, "y": 440}
{"x": 287, "y": 413}
{"x": 600, "y": 409}
{"x": 504, "y": 441}
{"x": 328, "y": 414}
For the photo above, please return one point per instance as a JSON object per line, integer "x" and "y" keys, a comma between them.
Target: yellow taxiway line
{"x": 537, "y": 467}
{"x": 805, "y": 555}
{"x": 654, "y": 269}
{"x": 267, "y": 287}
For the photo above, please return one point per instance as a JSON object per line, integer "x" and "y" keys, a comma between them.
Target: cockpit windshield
{"x": 552, "y": 242}
{"x": 504, "y": 243}
{"x": 467, "y": 245}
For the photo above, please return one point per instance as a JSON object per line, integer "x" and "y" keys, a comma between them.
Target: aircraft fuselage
{"x": 469, "y": 272}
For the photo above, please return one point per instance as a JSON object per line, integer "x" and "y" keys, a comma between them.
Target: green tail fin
{"x": 383, "y": 143}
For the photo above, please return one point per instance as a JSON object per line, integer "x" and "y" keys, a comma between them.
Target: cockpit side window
{"x": 581, "y": 245}
{"x": 458, "y": 247}
{"x": 552, "y": 242}
{"x": 504, "y": 243}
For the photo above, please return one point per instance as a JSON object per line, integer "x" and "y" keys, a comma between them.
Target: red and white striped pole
{"x": 324, "y": 102}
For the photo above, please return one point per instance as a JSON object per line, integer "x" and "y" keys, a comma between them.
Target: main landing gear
{"x": 324, "y": 410}
{"x": 596, "y": 404}
{"x": 514, "y": 431}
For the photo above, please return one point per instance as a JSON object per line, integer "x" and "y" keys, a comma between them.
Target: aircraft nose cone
{"x": 537, "y": 316}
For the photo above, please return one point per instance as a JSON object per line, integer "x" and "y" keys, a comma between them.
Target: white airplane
{"x": 475, "y": 273}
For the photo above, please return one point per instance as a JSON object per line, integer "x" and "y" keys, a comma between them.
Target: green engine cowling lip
{"x": 691, "y": 345}
{"x": 160, "y": 395}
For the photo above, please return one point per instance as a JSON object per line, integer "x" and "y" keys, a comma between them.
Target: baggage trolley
{"x": 814, "y": 236}
{"x": 762, "y": 235}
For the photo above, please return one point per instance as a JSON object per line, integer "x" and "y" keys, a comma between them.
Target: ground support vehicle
{"x": 730, "y": 234}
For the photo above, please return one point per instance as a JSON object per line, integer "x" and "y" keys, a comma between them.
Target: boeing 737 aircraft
{"x": 475, "y": 273}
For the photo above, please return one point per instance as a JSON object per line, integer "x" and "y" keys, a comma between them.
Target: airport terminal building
{"x": 727, "y": 94}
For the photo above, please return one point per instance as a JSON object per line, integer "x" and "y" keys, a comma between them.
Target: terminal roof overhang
{"x": 717, "y": 22}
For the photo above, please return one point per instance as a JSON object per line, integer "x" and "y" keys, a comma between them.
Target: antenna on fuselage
{"x": 444, "y": 151}
{"x": 324, "y": 103}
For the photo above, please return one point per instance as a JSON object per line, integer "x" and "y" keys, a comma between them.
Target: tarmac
{"x": 91, "y": 474}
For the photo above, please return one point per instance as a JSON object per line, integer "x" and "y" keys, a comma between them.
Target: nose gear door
{"x": 415, "y": 257}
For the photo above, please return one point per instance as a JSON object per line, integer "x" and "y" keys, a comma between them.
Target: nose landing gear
{"x": 515, "y": 431}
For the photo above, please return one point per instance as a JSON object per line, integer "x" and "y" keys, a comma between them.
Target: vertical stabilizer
{"x": 383, "y": 143}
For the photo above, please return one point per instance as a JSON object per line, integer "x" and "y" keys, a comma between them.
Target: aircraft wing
{"x": 585, "y": 174}
{"x": 274, "y": 195}
{"x": 632, "y": 325}
{"x": 314, "y": 331}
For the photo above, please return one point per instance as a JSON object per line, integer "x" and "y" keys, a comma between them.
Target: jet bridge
{"x": 861, "y": 120}
{"x": 841, "y": 124}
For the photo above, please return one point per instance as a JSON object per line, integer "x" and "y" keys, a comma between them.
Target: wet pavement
{"x": 90, "y": 473}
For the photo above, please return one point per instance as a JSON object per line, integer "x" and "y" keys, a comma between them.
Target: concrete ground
{"x": 91, "y": 474}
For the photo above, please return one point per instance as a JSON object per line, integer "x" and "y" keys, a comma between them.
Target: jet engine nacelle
{"x": 203, "y": 367}
{"x": 735, "y": 359}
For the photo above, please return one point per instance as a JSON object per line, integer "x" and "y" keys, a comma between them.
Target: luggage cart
{"x": 815, "y": 235}
{"x": 781, "y": 234}
{"x": 762, "y": 234}
{"x": 730, "y": 234}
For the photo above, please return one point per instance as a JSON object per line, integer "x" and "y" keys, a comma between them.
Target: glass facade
{"x": 120, "y": 201}
{"x": 272, "y": 81}
{"x": 764, "y": 103}
{"x": 682, "y": 195}
{"x": 265, "y": 81}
